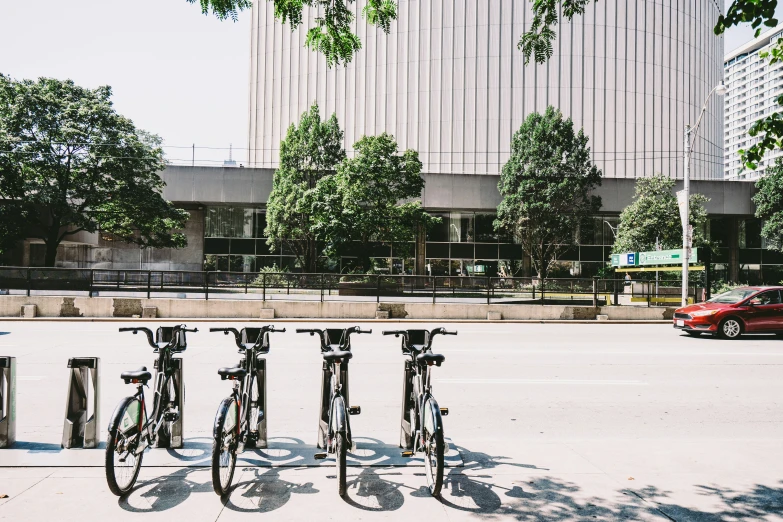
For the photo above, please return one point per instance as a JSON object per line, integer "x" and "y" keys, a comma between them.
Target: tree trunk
{"x": 312, "y": 256}
{"x": 51, "y": 254}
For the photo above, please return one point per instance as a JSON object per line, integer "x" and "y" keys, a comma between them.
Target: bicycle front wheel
{"x": 434, "y": 447}
{"x": 122, "y": 463}
{"x": 224, "y": 446}
{"x": 340, "y": 453}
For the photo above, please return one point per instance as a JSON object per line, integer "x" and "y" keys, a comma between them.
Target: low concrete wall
{"x": 11, "y": 306}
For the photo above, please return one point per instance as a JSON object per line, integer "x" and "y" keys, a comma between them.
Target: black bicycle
{"x": 240, "y": 421}
{"x": 131, "y": 430}
{"x": 334, "y": 426}
{"x": 422, "y": 423}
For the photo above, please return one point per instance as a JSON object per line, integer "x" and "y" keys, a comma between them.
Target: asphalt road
{"x": 547, "y": 421}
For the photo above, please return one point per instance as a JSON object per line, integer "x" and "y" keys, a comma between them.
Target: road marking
{"x": 543, "y": 381}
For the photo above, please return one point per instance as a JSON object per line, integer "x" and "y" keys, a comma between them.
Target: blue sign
{"x": 630, "y": 259}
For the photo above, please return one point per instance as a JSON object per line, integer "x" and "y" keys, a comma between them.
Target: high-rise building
{"x": 753, "y": 87}
{"x": 450, "y": 82}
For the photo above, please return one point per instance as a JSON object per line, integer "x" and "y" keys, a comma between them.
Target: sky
{"x": 174, "y": 72}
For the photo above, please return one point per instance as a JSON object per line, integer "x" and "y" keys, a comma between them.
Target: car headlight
{"x": 704, "y": 313}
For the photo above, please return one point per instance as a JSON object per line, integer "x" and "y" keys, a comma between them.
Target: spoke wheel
{"x": 252, "y": 416}
{"x": 224, "y": 446}
{"x": 340, "y": 451}
{"x": 434, "y": 449}
{"x": 730, "y": 328}
{"x": 122, "y": 465}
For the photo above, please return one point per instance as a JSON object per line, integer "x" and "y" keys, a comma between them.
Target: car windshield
{"x": 733, "y": 296}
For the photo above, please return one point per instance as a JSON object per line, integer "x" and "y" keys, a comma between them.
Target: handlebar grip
{"x": 220, "y": 329}
{"x": 359, "y": 330}
{"x": 193, "y": 330}
{"x": 390, "y": 332}
{"x": 278, "y": 330}
{"x": 134, "y": 330}
{"x": 450, "y": 333}
{"x": 307, "y": 330}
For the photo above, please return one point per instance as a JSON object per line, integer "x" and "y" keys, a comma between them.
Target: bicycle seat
{"x": 337, "y": 354}
{"x": 232, "y": 373}
{"x": 141, "y": 375}
{"x": 430, "y": 358}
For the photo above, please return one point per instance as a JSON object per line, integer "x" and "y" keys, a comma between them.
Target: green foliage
{"x": 537, "y": 41}
{"x": 546, "y": 186}
{"x": 273, "y": 276}
{"x": 769, "y": 205}
{"x": 369, "y": 200}
{"x": 654, "y": 214}
{"x": 310, "y": 151}
{"x": 720, "y": 287}
{"x": 70, "y": 163}
{"x": 332, "y": 34}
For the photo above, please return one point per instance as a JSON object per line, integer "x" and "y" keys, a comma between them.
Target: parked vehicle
{"x": 749, "y": 309}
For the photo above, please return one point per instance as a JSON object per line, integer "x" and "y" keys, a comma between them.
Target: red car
{"x": 750, "y": 309}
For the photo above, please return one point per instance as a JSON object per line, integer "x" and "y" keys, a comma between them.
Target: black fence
{"x": 335, "y": 287}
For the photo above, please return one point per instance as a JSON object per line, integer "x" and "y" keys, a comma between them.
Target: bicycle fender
{"x": 432, "y": 419}
{"x": 115, "y": 418}
{"x": 339, "y": 423}
{"x": 225, "y": 404}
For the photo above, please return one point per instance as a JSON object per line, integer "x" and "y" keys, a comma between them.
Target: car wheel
{"x": 694, "y": 334}
{"x": 730, "y": 328}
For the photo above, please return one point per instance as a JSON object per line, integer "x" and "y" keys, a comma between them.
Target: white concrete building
{"x": 753, "y": 87}
{"x": 450, "y": 82}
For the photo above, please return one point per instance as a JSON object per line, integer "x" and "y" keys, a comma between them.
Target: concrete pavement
{"x": 548, "y": 422}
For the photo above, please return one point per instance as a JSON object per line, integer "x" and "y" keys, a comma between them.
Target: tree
{"x": 537, "y": 43}
{"x": 655, "y": 216}
{"x": 546, "y": 186}
{"x": 369, "y": 200}
{"x": 332, "y": 34}
{"x": 769, "y": 205}
{"x": 70, "y": 163}
{"x": 309, "y": 152}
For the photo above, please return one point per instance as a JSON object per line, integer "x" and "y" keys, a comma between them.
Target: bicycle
{"x": 422, "y": 423}
{"x": 240, "y": 421}
{"x": 334, "y": 426}
{"x": 131, "y": 430}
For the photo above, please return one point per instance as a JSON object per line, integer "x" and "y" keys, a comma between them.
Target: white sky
{"x": 175, "y": 72}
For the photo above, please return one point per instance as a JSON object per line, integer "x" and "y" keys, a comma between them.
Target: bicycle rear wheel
{"x": 121, "y": 463}
{"x": 434, "y": 447}
{"x": 224, "y": 446}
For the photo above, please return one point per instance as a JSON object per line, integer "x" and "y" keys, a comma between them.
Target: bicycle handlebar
{"x": 151, "y": 337}
{"x": 396, "y": 333}
{"x": 238, "y": 335}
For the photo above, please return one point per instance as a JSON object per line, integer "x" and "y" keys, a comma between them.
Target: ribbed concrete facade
{"x": 450, "y": 82}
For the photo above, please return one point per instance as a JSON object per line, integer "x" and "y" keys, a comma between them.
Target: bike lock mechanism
{"x": 81, "y": 427}
{"x": 7, "y": 401}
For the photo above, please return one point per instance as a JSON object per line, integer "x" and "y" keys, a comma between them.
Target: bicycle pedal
{"x": 444, "y": 411}
{"x": 407, "y": 453}
{"x": 320, "y": 456}
{"x": 355, "y": 410}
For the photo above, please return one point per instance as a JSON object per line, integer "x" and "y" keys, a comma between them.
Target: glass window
{"x": 260, "y": 224}
{"x": 590, "y": 231}
{"x": 610, "y": 225}
{"x": 438, "y": 267}
{"x": 462, "y": 267}
{"x": 461, "y": 228}
{"x": 440, "y": 231}
{"x": 750, "y": 233}
{"x": 485, "y": 231}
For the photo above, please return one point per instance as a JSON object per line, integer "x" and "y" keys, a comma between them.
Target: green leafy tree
{"x": 769, "y": 205}
{"x": 70, "y": 163}
{"x": 369, "y": 200}
{"x": 332, "y": 35}
{"x": 546, "y": 187}
{"x": 655, "y": 216}
{"x": 310, "y": 151}
{"x": 537, "y": 43}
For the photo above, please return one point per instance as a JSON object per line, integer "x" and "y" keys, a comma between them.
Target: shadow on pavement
{"x": 162, "y": 493}
{"x": 370, "y": 491}
{"x": 264, "y": 492}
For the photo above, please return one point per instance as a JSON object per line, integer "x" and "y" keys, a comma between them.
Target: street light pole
{"x": 684, "y": 201}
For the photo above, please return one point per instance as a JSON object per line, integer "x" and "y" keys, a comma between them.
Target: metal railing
{"x": 336, "y": 287}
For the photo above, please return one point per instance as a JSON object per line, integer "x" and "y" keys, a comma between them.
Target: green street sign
{"x": 666, "y": 257}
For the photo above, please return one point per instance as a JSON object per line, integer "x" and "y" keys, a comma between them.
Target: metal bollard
{"x": 7, "y": 401}
{"x": 81, "y": 428}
